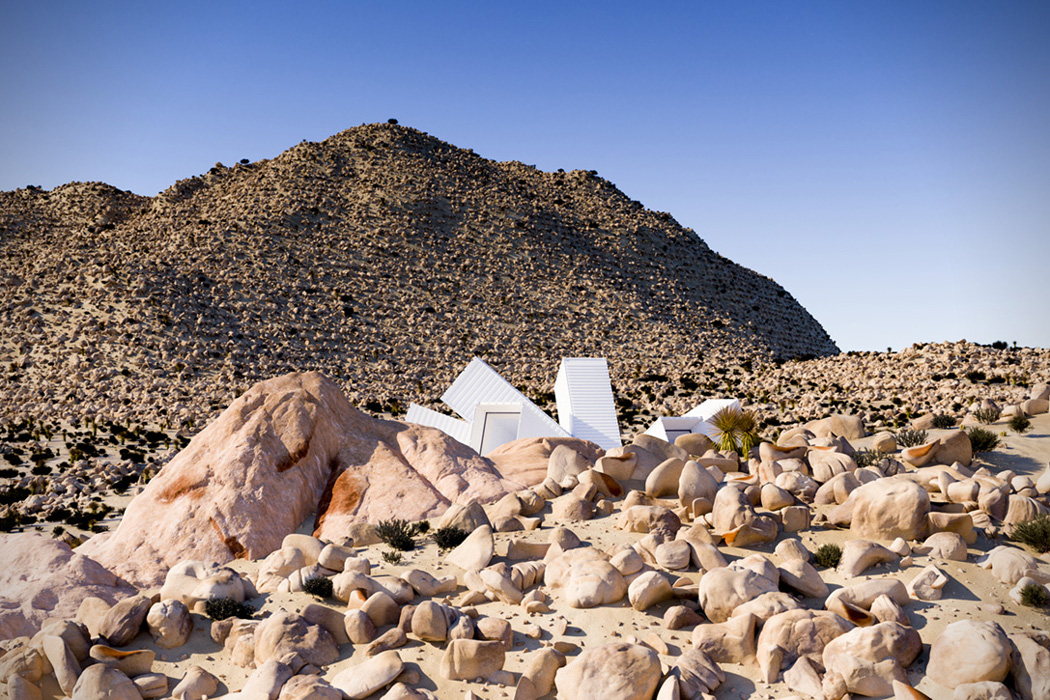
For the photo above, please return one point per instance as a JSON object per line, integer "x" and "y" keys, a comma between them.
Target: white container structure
{"x": 586, "y": 408}
{"x": 494, "y": 413}
{"x": 695, "y": 421}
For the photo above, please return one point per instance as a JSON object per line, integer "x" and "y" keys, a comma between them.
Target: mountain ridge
{"x": 381, "y": 256}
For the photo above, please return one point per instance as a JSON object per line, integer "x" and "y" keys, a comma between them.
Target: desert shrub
{"x": 1034, "y": 595}
{"x": 828, "y": 556}
{"x": 398, "y": 534}
{"x": 866, "y": 458}
{"x": 421, "y": 528}
{"x": 987, "y": 415}
{"x": 222, "y": 608}
{"x": 392, "y": 557}
{"x": 449, "y": 537}
{"x": 1019, "y": 423}
{"x": 982, "y": 440}
{"x": 320, "y": 586}
{"x": 737, "y": 430}
{"x": 943, "y": 422}
{"x": 8, "y": 472}
{"x": 1035, "y": 533}
{"x": 910, "y": 438}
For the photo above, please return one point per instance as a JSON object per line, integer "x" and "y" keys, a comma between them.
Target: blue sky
{"x": 887, "y": 162}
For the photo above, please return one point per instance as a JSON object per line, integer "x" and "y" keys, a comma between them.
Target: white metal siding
{"x": 661, "y": 427}
{"x": 586, "y": 408}
{"x": 455, "y": 428}
{"x": 479, "y": 383}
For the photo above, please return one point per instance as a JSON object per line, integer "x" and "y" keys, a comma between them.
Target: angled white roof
{"x": 670, "y": 427}
{"x": 586, "y": 408}
{"x": 454, "y": 427}
{"x": 479, "y": 383}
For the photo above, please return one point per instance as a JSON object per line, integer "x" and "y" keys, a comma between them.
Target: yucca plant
{"x": 726, "y": 423}
{"x": 748, "y": 430}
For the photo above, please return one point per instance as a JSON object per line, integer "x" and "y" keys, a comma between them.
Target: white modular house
{"x": 586, "y": 408}
{"x": 493, "y": 413}
{"x": 695, "y": 421}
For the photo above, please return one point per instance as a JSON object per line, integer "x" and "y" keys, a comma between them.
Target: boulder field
{"x": 656, "y": 570}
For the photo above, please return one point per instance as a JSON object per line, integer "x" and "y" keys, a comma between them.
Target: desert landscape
{"x": 207, "y": 490}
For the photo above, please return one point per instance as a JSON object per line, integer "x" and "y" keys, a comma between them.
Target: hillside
{"x": 384, "y": 258}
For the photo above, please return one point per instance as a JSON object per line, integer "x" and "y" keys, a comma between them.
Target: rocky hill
{"x": 384, "y": 258}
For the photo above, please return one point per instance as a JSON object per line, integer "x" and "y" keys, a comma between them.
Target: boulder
{"x": 585, "y": 579}
{"x": 946, "y": 545}
{"x": 888, "y": 508}
{"x": 969, "y": 651}
{"x": 948, "y": 449}
{"x": 663, "y": 480}
{"x": 103, "y": 681}
{"x": 471, "y": 659}
{"x": 287, "y": 447}
{"x": 475, "y": 552}
{"x": 528, "y": 461}
{"x": 789, "y": 635}
{"x": 853, "y": 659}
{"x": 360, "y": 681}
{"x": 985, "y": 690}
{"x": 169, "y": 623}
{"x": 729, "y": 642}
{"x": 285, "y": 633}
{"x": 697, "y": 674}
{"x": 195, "y": 685}
{"x": 1030, "y": 665}
{"x": 196, "y": 582}
{"x": 43, "y": 578}
{"x": 616, "y": 671}
{"x": 649, "y": 589}
{"x": 860, "y": 555}
{"x": 123, "y": 621}
{"x": 723, "y": 589}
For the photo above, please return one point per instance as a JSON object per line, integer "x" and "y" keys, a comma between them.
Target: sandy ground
{"x": 971, "y": 593}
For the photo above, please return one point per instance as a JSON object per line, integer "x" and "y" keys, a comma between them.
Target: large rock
{"x": 796, "y": 633}
{"x": 362, "y": 680}
{"x": 103, "y": 681}
{"x": 526, "y": 461}
{"x": 584, "y": 578}
{"x": 886, "y": 509}
{"x": 41, "y": 578}
{"x": 948, "y": 449}
{"x": 285, "y": 633}
{"x": 723, "y": 589}
{"x": 287, "y": 447}
{"x": 969, "y": 651}
{"x": 610, "y": 672}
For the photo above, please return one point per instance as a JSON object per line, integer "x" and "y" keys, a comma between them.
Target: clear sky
{"x": 887, "y": 162}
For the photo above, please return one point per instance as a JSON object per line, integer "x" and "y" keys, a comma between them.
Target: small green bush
{"x": 943, "y": 422}
{"x": 398, "y": 534}
{"x": 982, "y": 440}
{"x": 1034, "y": 595}
{"x": 828, "y": 556}
{"x": 1020, "y": 423}
{"x": 866, "y": 458}
{"x": 911, "y": 438}
{"x": 1035, "y": 533}
{"x": 449, "y": 537}
{"x": 222, "y": 608}
{"x": 392, "y": 557}
{"x": 987, "y": 415}
{"x": 320, "y": 586}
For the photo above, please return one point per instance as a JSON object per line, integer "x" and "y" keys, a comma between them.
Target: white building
{"x": 493, "y": 413}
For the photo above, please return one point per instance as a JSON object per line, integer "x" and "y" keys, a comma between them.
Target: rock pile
{"x": 708, "y": 553}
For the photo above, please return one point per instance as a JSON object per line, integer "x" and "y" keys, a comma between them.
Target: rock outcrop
{"x": 288, "y": 447}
